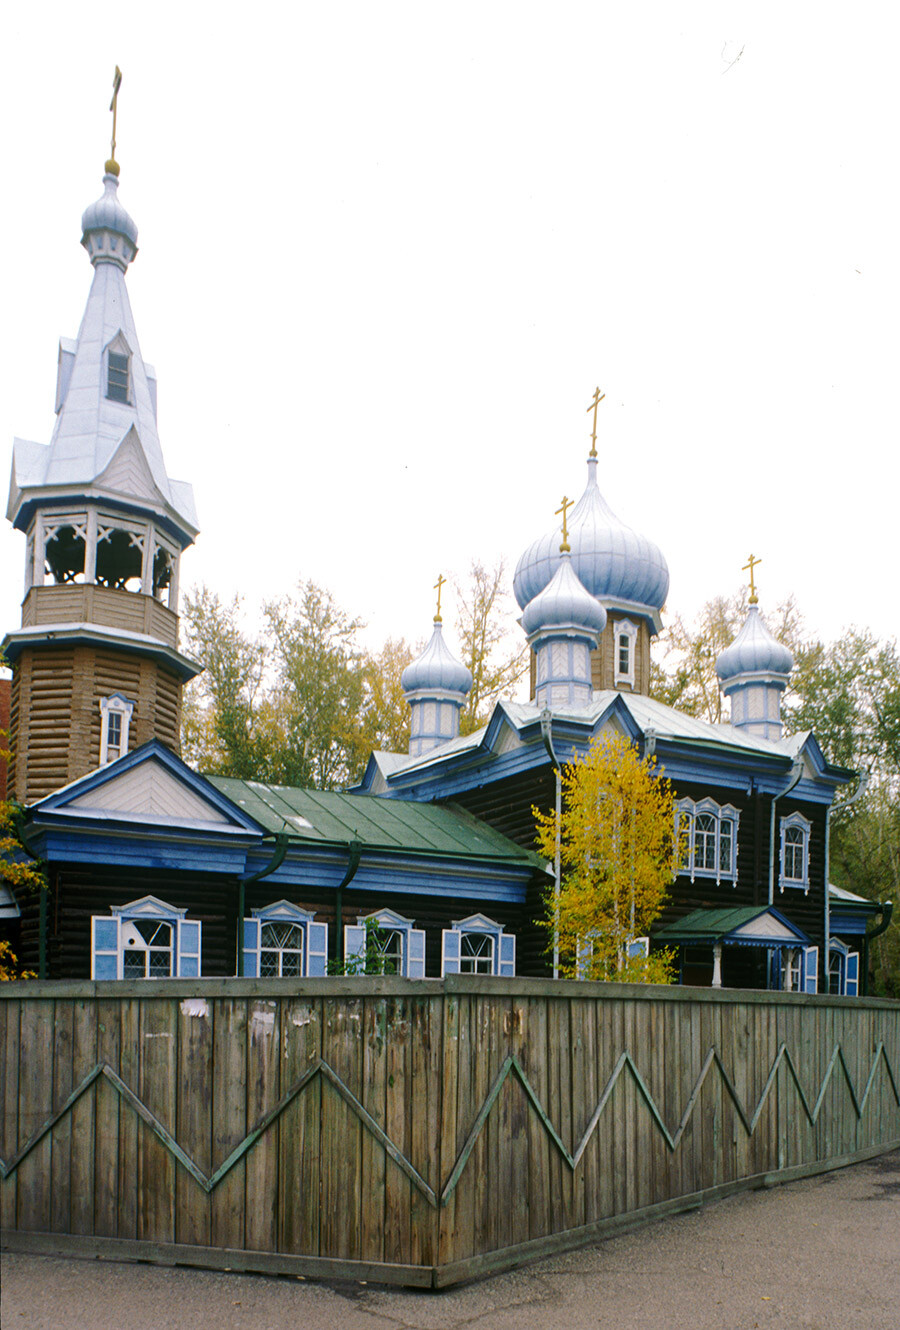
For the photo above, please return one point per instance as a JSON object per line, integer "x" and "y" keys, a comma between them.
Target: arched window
{"x": 477, "y": 945}
{"x": 283, "y": 941}
{"x": 146, "y": 939}
{"x": 115, "y": 721}
{"x": 707, "y": 838}
{"x": 385, "y": 943}
{"x": 795, "y": 852}
{"x": 625, "y": 650}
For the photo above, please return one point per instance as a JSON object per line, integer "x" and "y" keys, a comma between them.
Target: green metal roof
{"x": 709, "y": 925}
{"x": 326, "y": 816}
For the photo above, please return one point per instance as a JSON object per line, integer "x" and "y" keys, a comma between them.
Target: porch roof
{"x": 744, "y": 926}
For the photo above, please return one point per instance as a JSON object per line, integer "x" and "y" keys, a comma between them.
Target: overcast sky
{"x": 387, "y": 251}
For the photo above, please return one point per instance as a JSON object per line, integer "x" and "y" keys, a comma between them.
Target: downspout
{"x": 281, "y": 848}
{"x": 355, "y": 848}
{"x": 857, "y": 794}
{"x": 18, "y": 821}
{"x": 887, "y": 911}
{"x": 796, "y": 774}
{"x": 546, "y": 735}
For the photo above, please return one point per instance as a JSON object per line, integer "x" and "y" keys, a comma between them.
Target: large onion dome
{"x": 436, "y": 670}
{"x": 754, "y": 651}
{"x": 613, "y": 561}
{"x": 108, "y": 231}
{"x": 564, "y": 605}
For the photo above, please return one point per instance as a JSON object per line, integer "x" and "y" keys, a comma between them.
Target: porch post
{"x": 717, "y": 965}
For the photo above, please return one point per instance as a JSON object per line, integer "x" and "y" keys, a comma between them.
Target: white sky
{"x": 387, "y": 251}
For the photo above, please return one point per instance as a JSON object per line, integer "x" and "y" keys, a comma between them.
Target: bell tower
{"x": 96, "y": 666}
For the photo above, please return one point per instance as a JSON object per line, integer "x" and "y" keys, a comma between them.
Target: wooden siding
{"x": 419, "y": 1133}
{"x": 83, "y": 602}
{"x": 55, "y": 719}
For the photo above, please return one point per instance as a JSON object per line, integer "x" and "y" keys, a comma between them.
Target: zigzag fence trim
{"x": 426, "y": 1074}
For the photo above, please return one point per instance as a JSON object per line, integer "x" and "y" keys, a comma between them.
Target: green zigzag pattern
{"x": 511, "y": 1067}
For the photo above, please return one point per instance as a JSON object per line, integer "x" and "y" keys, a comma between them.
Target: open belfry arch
{"x": 96, "y": 666}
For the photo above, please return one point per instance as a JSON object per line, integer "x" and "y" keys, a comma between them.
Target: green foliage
{"x": 616, "y": 842}
{"x": 484, "y": 622}
{"x": 18, "y": 867}
{"x": 372, "y": 960}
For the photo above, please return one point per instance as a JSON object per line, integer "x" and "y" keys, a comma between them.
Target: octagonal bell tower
{"x": 96, "y": 666}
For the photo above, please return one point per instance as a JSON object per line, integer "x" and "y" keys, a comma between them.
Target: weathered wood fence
{"x": 414, "y": 1132}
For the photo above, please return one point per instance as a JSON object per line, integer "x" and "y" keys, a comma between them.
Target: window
{"x": 707, "y": 839}
{"x": 117, "y": 379}
{"x": 794, "y": 852}
{"x": 146, "y": 939}
{"x": 282, "y": 941}
{"x": 385, "y": 943}
{"x": 625, "y": 650}
{"x": 477, "y": 945}
{"x": 115, "y": 719}
{"x": 843, "y": 969}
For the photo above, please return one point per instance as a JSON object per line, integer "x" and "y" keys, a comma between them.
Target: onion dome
{"x": 564, "y": 605}
{"x": 754, "y": 651}
{"x": 109, "y": 233}
{"x": 436, "y": 670}
{"x": 612, "y": 561}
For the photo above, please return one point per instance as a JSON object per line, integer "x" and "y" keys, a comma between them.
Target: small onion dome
{"x": 436, "y": 670}
{"x": 108, "y": 215}
{"x": 564, "y": 605}
{"x": 612, "y": 561}
{"x": 754, "y": 651}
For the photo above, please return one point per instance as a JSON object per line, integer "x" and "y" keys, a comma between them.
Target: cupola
{"x": 563, "y": 623}
{"x": 435, "y": 686}
{"x": 753, "y": 673}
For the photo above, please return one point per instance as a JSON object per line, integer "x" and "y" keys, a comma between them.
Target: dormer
{"x": 117, "y": 366}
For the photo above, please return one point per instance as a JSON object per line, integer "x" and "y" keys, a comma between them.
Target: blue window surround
{"x": 502, "y": 953}
{"x": 412, "y": 941}
{"x": 794, "y": 857}
{"x": 806, "y": 969}
{"x": 314, "y": 938}
{"x": 700, "y": 851}
{"x": 110, "y": 937}
{"x": 846, "y": 969}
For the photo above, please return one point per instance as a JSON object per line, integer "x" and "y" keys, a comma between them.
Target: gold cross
{"x": 598, "y": 398}
{"x": 437, "y": 586}
{"x": 112, "y": 165}
{"x": 754, "y": 598}
{"x": 565, "y": 547}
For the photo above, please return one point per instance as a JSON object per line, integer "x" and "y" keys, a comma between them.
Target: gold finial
{"x": 112, "y": 166}
{"x": 565, "y": 547}
{"x": 598, "y": 398}
{"x": 437, "y": 586}
{"x": 754, "y": 598}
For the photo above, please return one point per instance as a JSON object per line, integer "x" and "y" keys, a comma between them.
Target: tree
{"x": 18, "y": 867}
{"x": 617, "y": 853}
{"x": 484, "y": 623}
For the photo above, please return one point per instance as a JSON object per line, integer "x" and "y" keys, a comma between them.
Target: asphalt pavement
{"x": 822, "y": 1254}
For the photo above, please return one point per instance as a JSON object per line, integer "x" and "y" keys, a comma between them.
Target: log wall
{"x": 414, "y": 1132}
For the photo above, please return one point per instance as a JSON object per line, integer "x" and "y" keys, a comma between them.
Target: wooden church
{"x": 428, "y": 867}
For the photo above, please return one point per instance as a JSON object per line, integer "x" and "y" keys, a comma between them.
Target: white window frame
{"x": 848, "y": 969}
{"x": 624, "y": 628}
{"x": 503, "y": 946}
{"x": 119, "y": 347}
{"x": 115, "y": 705}
{"x": 412, "y": 941}
{"x": 795, "y": 822}
{"x": 314, "y": 941}
{"x": 113, "y": 935}
{"x": 723, "y": 815}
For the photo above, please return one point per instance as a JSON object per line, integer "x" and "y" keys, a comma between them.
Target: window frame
{"x": 118, "y": 706}
{"x": 110, "y": 939}
{"x": 503, "y": 946}
{"x": 624, "y": 628}
{"x": 412, "y": 943}
{"x": 314, "y": 949}
{"x": 723, "y": 816}
{"x": 119, "y": 347}
{"x": 794, "y": 822}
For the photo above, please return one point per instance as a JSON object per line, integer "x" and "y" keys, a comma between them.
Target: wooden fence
{"x": 414, "y": 1132}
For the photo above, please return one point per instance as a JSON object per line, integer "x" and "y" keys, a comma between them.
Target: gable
{"x": 127, "y": 471}
{"x": 769, "y": 926}
{"x": 149, "y": 790}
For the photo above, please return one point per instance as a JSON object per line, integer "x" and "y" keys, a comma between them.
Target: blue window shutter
{"x": 105, "y": 947}
{"x": 449, "y": 951}
{"x": 638, "y": 946}
{"x": 251, "y": 949}
{"x": 355, "y": 948}
{"x": 810, "y": 977}
{"x": 507, "y": 952}
{"x": 316, "y": 950}
{"x": 189, "y": 948}
{"x": 851, "y": 983}
{"x": 415, "y": 953}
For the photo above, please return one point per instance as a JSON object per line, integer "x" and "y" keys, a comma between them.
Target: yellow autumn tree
{"x": 616, "y": 841}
